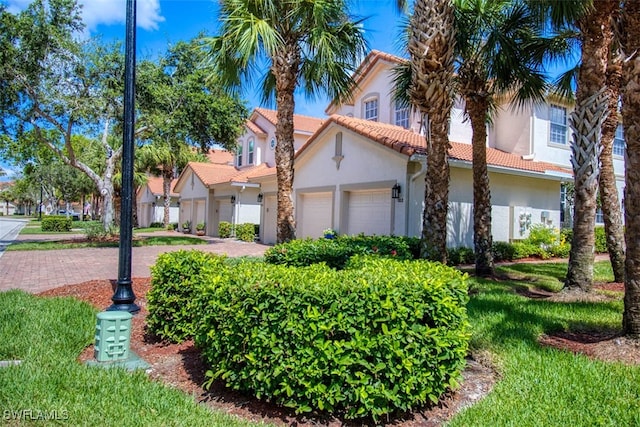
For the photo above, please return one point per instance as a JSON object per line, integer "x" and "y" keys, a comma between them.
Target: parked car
{"x": 74, "y": 215}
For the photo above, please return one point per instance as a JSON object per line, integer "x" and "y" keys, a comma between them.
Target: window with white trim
{"x": 239, "y": 156}
{"x": 250, "y": 153}
{"x": 558, "y": 122}
{"x": 371, "y": 109}
{"x": 618, "y": 141}
{"x": 401, "y": 116}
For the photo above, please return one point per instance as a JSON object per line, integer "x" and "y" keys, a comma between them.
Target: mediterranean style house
{"x": 362, "y": 168}
{"x": 150, "y": 202}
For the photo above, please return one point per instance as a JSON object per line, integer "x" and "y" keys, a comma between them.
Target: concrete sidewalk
{"x": 36, "y": 271}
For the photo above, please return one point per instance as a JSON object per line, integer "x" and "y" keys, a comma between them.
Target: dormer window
{"x": 250, "y": 153}
{"x": 239, "y": 156}
{"x": 618, "y": 141}
{"x": 401, "y": 116}
{"x": 371, "y": 109}
{"x": 558, "y": 122}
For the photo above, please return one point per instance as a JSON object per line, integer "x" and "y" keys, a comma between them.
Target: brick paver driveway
{"x": 36, "y": 271}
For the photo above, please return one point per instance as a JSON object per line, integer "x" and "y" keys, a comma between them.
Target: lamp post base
{"x": 124, "y": 299}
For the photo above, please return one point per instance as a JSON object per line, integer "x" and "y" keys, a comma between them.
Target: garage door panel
{"x": 315, "y": 214}
{"x": 369, "y": 212}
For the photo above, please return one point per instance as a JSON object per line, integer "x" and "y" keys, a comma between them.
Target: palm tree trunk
{"x": 631, "y": 120}
{"x": 431, "y": 47}
{"x": 285, "y": 68}
{"x": 608, "y": 190}
{"x": 586, "y": 122}
{"x": 478, "y": 107}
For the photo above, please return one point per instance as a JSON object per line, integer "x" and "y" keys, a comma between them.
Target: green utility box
{"x": 113, "y": 332}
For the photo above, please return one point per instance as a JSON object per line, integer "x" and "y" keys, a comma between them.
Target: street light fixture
{"x": 124, "y": 298}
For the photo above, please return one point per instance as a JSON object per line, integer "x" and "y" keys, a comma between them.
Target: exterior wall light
{"x": 233, "y": 200}
{"x": 396, "y": 192}
{"x": 260, "y": 197}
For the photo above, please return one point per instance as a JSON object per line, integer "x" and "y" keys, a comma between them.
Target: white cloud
{"x": 107, "y": 12}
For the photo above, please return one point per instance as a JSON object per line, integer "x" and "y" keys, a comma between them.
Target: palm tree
{"x": 162, "y": 158}
{"x": 308, "y": 44}
{"x": 498, "y": 47}
{"x": 431, "y": 40}
{"x": 631, "y": 119}
{"x": 591, "y": 106}
{"x": 607, "y": 189}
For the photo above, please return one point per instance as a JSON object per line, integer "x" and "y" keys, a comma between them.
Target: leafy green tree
{"x": 55, "y": 88}
{"x": 310, "y": 45}
{"x": 182, "y": 108}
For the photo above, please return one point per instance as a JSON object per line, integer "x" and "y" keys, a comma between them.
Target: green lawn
{"x": 47, "y": 335}
{"x": 141, "y": 241}
{"x": 541, "y": 386}
{"x": 537, "y": 386}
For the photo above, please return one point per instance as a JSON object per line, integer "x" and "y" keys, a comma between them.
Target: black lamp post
{"x": 124, "y": 298}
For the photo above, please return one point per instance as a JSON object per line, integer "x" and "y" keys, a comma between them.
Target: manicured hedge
{"x": 176, "y": 281}
{"x": 380, "y": 336}
{"x": 336, "y": 252}
{"x": 56, "y": 223}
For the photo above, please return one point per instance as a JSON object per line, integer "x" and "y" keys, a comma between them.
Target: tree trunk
{"x": 166, "y": 191}
{"x": 106, "y": 190}
{"x": 608, "y": 189}
{"x": 431, "y": 44}
{"x": 631, "y": 121}
{"x": 477, "y": 108}
{"x": 285, "y": 69}
{"x": 586, "y": 122}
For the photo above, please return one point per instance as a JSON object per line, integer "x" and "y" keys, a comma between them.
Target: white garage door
{"x": 369, "y": 212}
{"x": 314, "y": 214}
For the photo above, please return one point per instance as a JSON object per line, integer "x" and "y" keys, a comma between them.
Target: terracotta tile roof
{"x": 300, "y": 123}
{"x": 261, "y": 171}
{"x": 220, "y": 157}
{"x": 212, "y": 173}
{"x": 255, "y": 128}
{"x": 407, "y": 142}
{"x": 155, "y": 186}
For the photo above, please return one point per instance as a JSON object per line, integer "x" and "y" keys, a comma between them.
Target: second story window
{"x": 558, "y": 121}
{"x": 239, "y": 156}
{"x": 371, "y": 109}
{"x": 402, "y": 116}
{"x": 618, "y": 141}
{"x": 250, "y": 153}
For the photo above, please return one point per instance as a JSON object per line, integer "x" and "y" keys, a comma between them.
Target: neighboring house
{"x": 240, "y": 187}
{"x": 150, "y": 202}
{"x": 364, "y": 170}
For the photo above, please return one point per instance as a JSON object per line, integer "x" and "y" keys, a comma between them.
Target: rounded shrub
{"x": 176, "y": 280}
{"x": 380, "y": 336}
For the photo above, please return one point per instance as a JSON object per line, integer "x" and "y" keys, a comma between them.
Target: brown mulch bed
{"x": 180, "y": 366}
{"x": 607, "y": 345}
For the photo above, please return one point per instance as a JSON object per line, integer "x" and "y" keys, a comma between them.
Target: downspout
{"x": 422, "y": 159}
